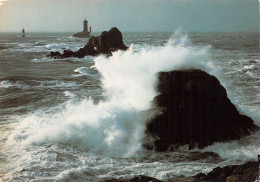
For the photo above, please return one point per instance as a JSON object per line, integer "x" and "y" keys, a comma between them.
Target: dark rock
{"x": 200, "y": 175}
{"x": 112, "y": 50}
{"x": 67, "y": 53}
{"x": 106, "y": 43}
{"x": 195, "y": 111}
{"x": 235, "y": 173}
{"x": 135, "y": 179}
{"x": 247, "y": 172}
{"x": 55, "y": 55}
{"x": 111, "y": 39}
{"x": 82, "y": 34}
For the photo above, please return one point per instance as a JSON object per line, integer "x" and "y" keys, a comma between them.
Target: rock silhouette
{"x": 195, "y": 110}
{"x": 106, "y": 43}
{"x": 232, "y": 173}
{"x": 139, "y": 178}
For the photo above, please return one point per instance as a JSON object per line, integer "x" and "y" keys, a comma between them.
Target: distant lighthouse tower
{"x": 85, "y": 33}
{"x": 85, "y": 26}
{"x": 23, "y": 33}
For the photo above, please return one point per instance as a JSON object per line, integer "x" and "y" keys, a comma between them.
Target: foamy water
{"x": 83, "y": 119}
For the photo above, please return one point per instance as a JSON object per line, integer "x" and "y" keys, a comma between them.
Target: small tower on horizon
{"x": 23, "y": 33}
{"x": 90, "y": 29}
{"x": 85, "y": 33}
{"x": 85, "y": 26}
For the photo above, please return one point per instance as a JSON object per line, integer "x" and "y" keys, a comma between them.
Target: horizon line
{"x": 129, "y": 31}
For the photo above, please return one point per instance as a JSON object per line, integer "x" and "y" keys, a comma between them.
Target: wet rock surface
{"x": 195, "y": 110}
{"x": 247, "y": 172}
{"x": 135, "y": 179}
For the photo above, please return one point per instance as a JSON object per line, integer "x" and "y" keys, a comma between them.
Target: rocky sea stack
{"x": 106, "y": 43}
{"x": 195, "y": 110}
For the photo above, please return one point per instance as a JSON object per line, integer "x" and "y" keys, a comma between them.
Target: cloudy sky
{"x": 129, "y": 15}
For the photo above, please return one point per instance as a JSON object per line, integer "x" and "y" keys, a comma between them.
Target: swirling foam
{"x": 9, "y": 84}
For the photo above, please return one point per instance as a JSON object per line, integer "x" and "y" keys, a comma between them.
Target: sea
{"x": 83, "y": 119}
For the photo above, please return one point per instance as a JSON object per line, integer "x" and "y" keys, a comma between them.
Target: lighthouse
{"x": 85, "y": 33}
{"x": 23, "y": 33}
{"x": 85, "y": 26}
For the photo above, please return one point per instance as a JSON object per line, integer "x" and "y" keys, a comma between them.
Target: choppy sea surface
{"x": 82, "y": 119}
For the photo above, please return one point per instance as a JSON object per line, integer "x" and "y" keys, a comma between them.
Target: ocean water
{"x": 82, "y": 119}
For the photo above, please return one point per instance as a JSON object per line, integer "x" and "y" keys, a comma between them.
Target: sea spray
{"x": 129, "y": 77}
{"x": 238, "y": 150}
{"x": 114, "y": 127}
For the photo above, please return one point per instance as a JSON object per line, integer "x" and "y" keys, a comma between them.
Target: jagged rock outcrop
{"x": 195, "y": 110}
{"x": 247, "y": 172}
{"x": 106, "y": 43}
{"x": 140, "y": 178}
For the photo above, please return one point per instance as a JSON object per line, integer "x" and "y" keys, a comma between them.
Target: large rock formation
{"x": 106, "y": 43}
{"x": 195, "y": 110}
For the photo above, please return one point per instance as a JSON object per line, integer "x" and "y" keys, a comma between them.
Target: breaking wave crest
{"x": 115, "y": 126}
{"x": 9, "y": 84}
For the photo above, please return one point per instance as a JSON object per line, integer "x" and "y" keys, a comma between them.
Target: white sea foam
{"x": 238, "y": 150}
{"x": 114, "y": 127}
{"x": 77, "y": 138}
{"x": 82, "y": 71}
{"x": 250, "y": 67}
{"x": 162, "y": 170}
{"x": 64, "y": 45}
{"x": 9, "y": 84}
{"x": 251, "y": 74}
{"x": 69, "y": 94}
{"x": 101, "y": 127}
{"x": 89, "y": 57}
{"x": 130, "y": 76}
{"x": 5, "y": 84}
{"x": 93, "y": 67}
{"x": 56, "y": 84}
{"x": 56, "y": 46}
{"x": 42, "y": 60}
{"x": 85, "y": 59}
{"x": 43, "y": 47}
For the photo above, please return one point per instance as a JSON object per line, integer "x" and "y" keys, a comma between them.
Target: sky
{"x": 130, "y": 15}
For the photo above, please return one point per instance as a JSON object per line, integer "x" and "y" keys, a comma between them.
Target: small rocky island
{"x": 85, "y": 33}
{"x": 106, "y": 43}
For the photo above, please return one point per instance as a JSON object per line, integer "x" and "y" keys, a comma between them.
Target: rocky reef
{"x": 140, "y": 178}
{"x": 247, "y": 172}
{"x": 195, "y": 110}
{"x": 106, "y": 43}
